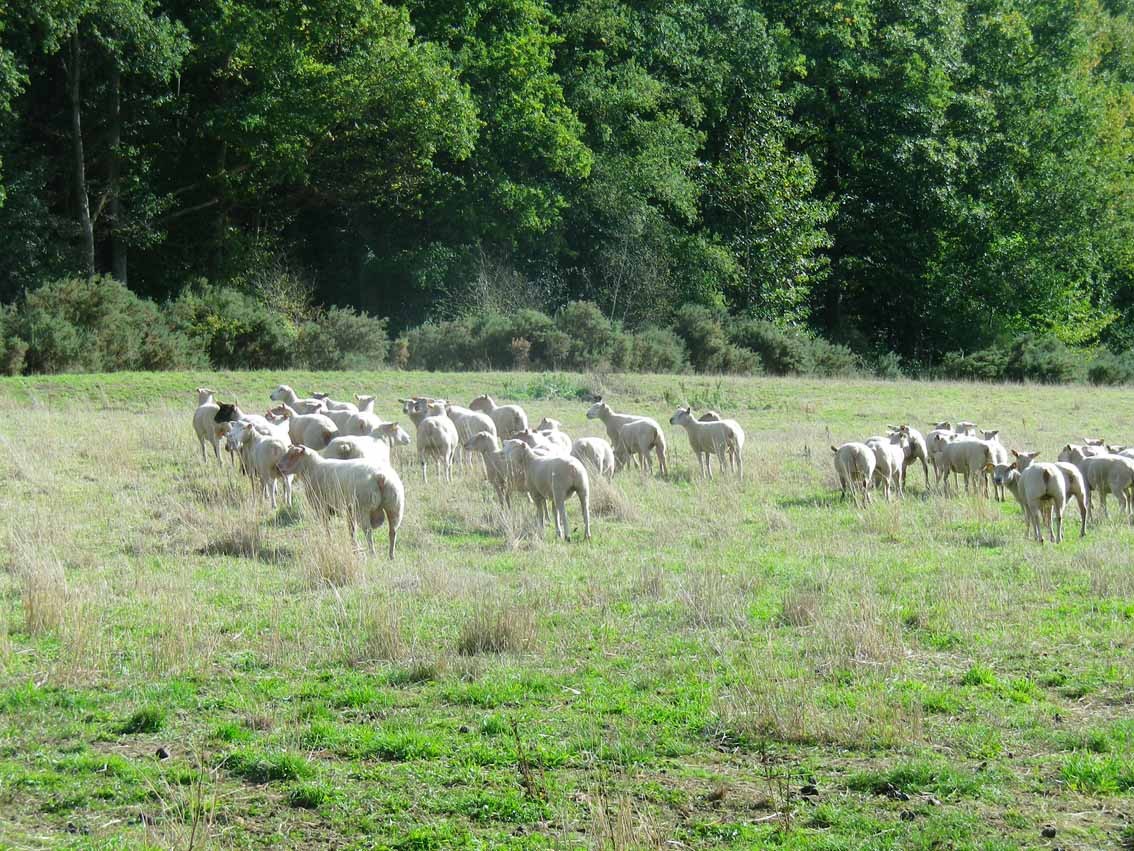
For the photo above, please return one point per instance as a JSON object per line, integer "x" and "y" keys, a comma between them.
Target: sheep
{"x": 330, "y": 404}
{"x": 854, "y": 465}
{"x": 557, "y": 437}
{"x": 436, "y": 436}
{"x": 204, "y": 423}
{"x": 640, "y": 441}
{"x": 365, "y": 491}
{"x": 935, "y": 443}
{"x": 967, "y": 456}
{"x": 724, "y": 438}
{"x": 889, "y": 457}
{"x": 999, "y": 455}
{"x": 916, "y": 449}
{"x": 1041, "y": 491}
{"x": 509, "y": 419}
{"x": 1072, "y": 478}
{"x": 262, "y": 450}
{"x": 548, "y": 424}
{"x": 710, "y": 417}
{"x": 635, "y": 441}
{"x": 287, "y": 396}
{"x": 542, "y": 441}
{"x": 466, "y": 421}
{"x": 1106, "y": 474}
{"x": 504, "y": 476}
{"x": 556, "y": 477}
{"x": 313, "y": 430}
{"x": 966, "y": 428}
{"x": 364, "y": 420}
{"x": 354, "y": 447}
{"x": 595, "y": 453}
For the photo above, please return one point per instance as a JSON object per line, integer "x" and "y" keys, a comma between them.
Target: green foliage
{"x": 76, "y": 325}
{"x": 148, "y": 719}
{"x": 342, "y": 338}
{"x": 235, "y": 330}
{"x": 703, "y": 332}
{"x": 267, "y": 766}
{"x": 1111, "y": 368}
{"x": 1029, "y": 357}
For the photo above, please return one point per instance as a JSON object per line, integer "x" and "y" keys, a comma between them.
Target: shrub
{"x": 234, "y": 329}
{"x": 709, "y": 349}
{"x": 75, "y": 324}
{"x": 985, "y": 365}
{"x": 782, "y": 351}
{"x": 1045, "y": 359}
{"x": 343, "y": 339}
{"x": 1111, "y": 368}
{"x": 832, "y": 360}
{"x": 655, "y": 350}
{"x": 592, "y": 337}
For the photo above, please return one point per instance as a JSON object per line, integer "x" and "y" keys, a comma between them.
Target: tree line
{"x": 914, "y": 181}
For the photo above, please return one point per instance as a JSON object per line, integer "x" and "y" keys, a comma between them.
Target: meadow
{"x": 726, "y": 665}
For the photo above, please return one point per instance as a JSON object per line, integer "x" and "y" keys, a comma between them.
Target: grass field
{"x": 724, "y": 666}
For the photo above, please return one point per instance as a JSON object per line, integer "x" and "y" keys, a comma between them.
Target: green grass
{"x": 938, "y": 679}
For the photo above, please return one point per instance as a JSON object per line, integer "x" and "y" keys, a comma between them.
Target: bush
{"x": 782, "y": 351}
{"x": 832, "y": 360}
{"x": 234, "y": 329}
{"x": 343, "y": 339}
{"x": 985, "y": 365}
{"x": 96, "y": 325}
{"x": 591, "y": 335}
{"x": 655, "y": 350}
{"x": 1044, "y": 359}
{"x": 1111, "y": 368}
{"x": 709, "y": 349}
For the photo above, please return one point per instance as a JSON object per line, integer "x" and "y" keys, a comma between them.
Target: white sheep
{"x": 556, "y": 477}
{"x": 261, "y": 451}
{"x": 966, "y": 428}
{"x": 504, "y": 475}
{"x": 999, "y": 456}
{"x": 935, "y": 442}
{"x": 509, "y": 419}
{"x": 595, "y": 453}
{"x": 366, "y": 492}
{"x": 542, "y": 441}
{"x": 967, "y": 456}
{"x": 1104, "y": 474}
{"x": 639, "y": 441}
{"x": 363, "y": 421}
{"x": 285, "y": 394}
{"x": 723, "y": 438}
{"x": 552, "y": 431}
{"x": 437, "y": 437}
{"x": 204, "y": 422}
{"x": 889, "y": 458}
{"x": 854, "y": 465}
{"x": 313, "y": 430}
{"x": 916, "y": 449}
{"x": 330, "y": 404}
{"x": 1041, "y": 491}
{"x": 354, "y": 447}
{"x": 1072, "y": 478}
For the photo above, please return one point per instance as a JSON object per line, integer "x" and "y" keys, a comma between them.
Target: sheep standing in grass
{"x": 261, "y": 451}
{"x": 366, "y": 492}
{"x": 967, "y": 456}
{"x": 330, "y": 404}
{"x": 552, "y": 431}
{"x": 854, "y": 465}
{"x": 916, "y": 449}
{"x": 595, "y": 453}
{"x": 1041, "y": 491}
{"x": 509, "y": 419}
{"x": 556, "y": 477}
{"x": 204, "y": 422}
{"x": 640, "y": 440}
{"x": 437, "y": 437}
{"x": 723, "y": 438}
{"x": 889, "y": 458}
{"x": 935, "y": 442}
{"x": 364, "y": 420}
{"x": 504, "y": 475}
{"x": 1104, "y": 474}
{"x": 541, "y": 442}
{"x": 999, "y": 456}
{"x": 355, "y": 447}
{"x": 313, "y": 430}
{"x": 1072, "y": 478}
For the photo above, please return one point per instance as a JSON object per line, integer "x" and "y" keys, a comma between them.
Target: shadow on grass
{"x": 240, "y": 545}
{"x": 287, "y": 516}
{"x": 814, "y": 501}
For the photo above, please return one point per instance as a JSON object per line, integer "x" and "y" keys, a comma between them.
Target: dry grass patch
{"x": 496, "y": 626}
{"x": 716, "y": 599}
{"x": 370, "y": 628}
{"x": 858, "y": 630}
{"x": 608, "y": 500}
{"x": 801, "y": 604}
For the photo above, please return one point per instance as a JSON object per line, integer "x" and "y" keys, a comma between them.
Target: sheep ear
{"x": 1015, "y": 454}
{"x": 834, "y": 449}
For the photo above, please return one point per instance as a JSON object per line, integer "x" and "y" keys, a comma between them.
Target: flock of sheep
{"x": 340, "y": 451}
{"x": 1042, "y": 489}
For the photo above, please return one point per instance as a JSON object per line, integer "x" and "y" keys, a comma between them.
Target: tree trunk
{"x": 86, "y": 229}
{"x": 117, "y": 244}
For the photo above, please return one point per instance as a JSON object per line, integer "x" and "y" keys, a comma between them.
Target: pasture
{"x": 725, "y": 665}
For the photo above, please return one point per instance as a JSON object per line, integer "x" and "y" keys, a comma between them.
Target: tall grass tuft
{"x": 497, "y": 627}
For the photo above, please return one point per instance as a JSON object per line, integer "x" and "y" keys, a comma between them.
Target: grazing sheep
{"x": 509, "y": 419}
{"x": 638, "y": 442}
{"x": 1103, "y": 474}
{"x": 635, "y": 442}
{"x": 1072, "y": 478}
{"x": 854, "y": 465}
{"x": 361, "y": 489}
{"x": 967, "y": 456}
{"x": 285, "y": 394}
{"x": 723, "y": 438}
{"x": 889, "y": 458}
{"x": 1041, "y": 491}
{"x": 313, "y": 430}
{"x": 556, "y": 477}
{"x": 204, "y": 422}
{"x": 595, "y": 453}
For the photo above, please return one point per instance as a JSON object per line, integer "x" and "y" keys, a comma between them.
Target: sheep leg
{"x": 391, "y": 522}
{"x": 421, "y": 460}
{"x": 561, "y": 528}
{"x": 585, "y": 504}
{"x": 663, "y": 462}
